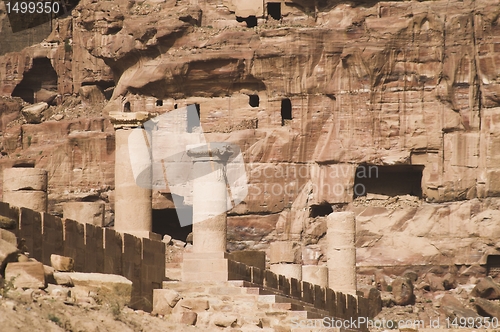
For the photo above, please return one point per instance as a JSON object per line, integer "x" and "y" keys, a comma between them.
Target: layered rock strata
{"x": 311, "y": 93}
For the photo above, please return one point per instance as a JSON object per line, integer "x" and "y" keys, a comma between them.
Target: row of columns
{"x": 210, "y": 229}
{"x": 27, "y": 187}
{"x": 133, "y": 212}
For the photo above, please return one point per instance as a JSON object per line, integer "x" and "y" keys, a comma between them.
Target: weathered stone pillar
{"x": 85, "y": 212}
{"x": 285, "y": 258}
{"x": 209, "y": 197}
{"x": 25, "y": 187}
{"x": 208, "y": 260}
{"x": 133, "y": 202}
{"x": 341, "y": 252}
{"x": 315, "y": 274}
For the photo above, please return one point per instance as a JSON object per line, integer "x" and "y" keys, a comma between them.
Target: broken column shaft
{"x": 25, "y": 187}
{"x": 341, "y": 252}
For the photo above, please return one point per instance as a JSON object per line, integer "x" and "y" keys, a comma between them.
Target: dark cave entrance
{"x": 274, "y": 10}
{"x": 254, "y": 100}
{"x": 286, "y": 110}
{"x": 320, "y": 210}
{"x": 159, "y": 102}
{"x": 25, "y": 93}
{"x": 166, "y": 221}
{"x": 40, "y": 76}
{"x": 251, "y": 21}
{"x": 193, "y": 117}
{"x": 388, "y": 180}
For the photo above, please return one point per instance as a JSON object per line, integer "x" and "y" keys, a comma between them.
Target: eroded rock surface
{"x": 409, "y": 86}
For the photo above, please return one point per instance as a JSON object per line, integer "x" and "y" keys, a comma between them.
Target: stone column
{"x": 315, "y": 274}
{"x": 85, "y": 212}
{"x": 285, "y": 258}
{"x": 208, "y": 260}
{"x": 133, "y": 202}
{"x": 25, "y": 187}
{"x": 209, "y": 198}
{"x": 341, "y": 252}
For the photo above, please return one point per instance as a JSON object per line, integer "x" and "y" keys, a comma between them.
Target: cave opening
{"x": 391, "y": 180}
{"x": 274, "y": 10}
{"x": 38, "y": 80}
{"x": 159, "y": 102}
{"x": 251, "y": 21}
{"x": 286, "y": 110}
{"x": 25, "y": 93}
{"x": 126, "y": 107}
{"x": 254, "y": 100}
{"x": 166, "y": 221}
{"x": 193, "y": 117}
{"x": 320, "y": 210}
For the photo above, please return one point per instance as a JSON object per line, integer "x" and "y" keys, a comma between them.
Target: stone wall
{"x": 94, "y": 249}
{"x": 338, "y": 304}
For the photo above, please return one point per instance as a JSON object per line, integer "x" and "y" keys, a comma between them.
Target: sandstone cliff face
{"x": 339, "y": 85}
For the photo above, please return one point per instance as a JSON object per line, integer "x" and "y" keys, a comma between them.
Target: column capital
{"x": 217, "y": 151}
{"x": 122, "y": 120}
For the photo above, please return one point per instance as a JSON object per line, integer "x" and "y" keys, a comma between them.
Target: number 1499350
{"x": 472, "y": 322}
{"x": 32, "y": 7}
